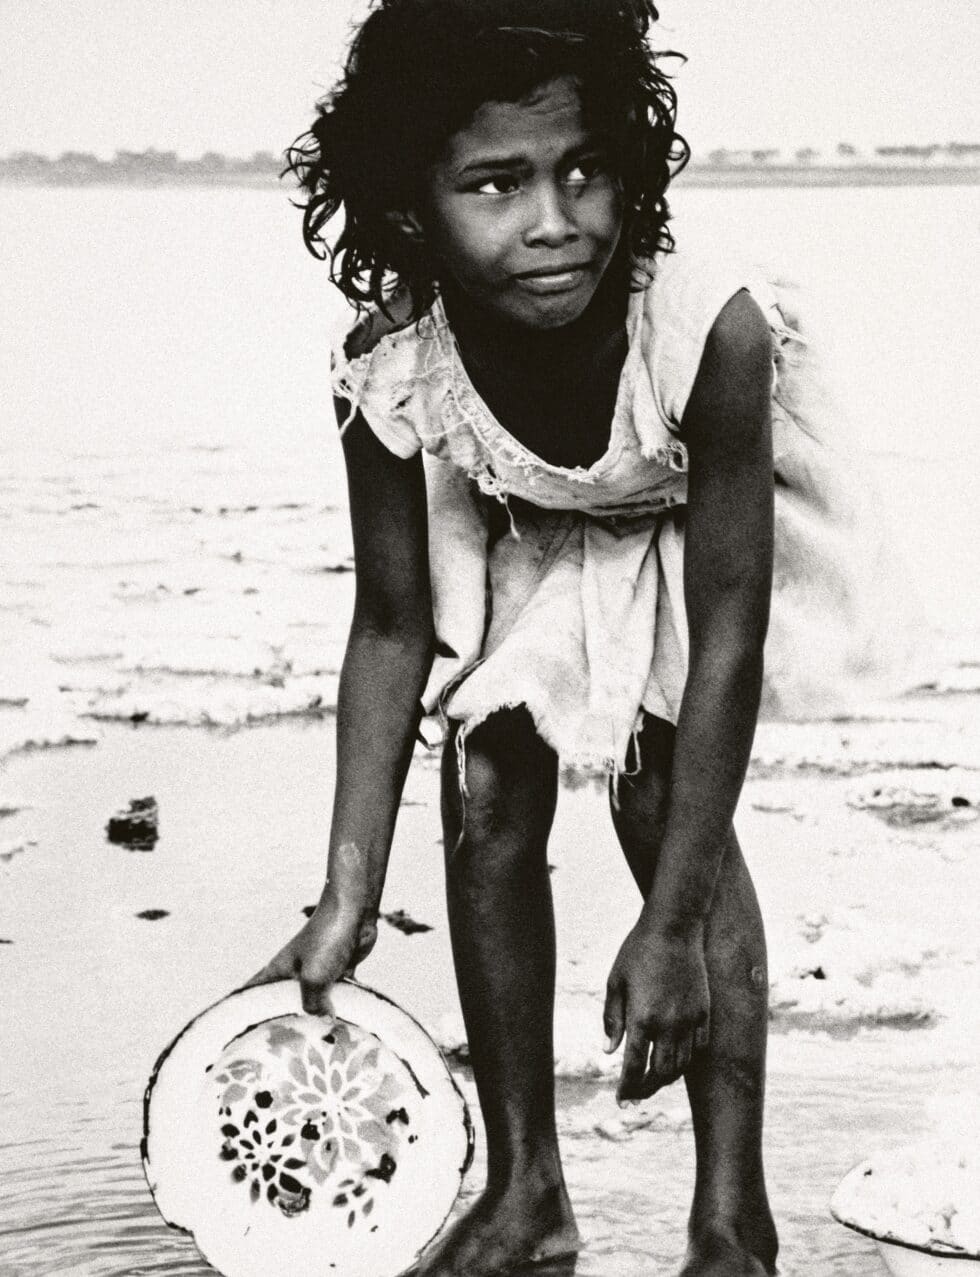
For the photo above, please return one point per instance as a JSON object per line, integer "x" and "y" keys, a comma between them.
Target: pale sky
{"x": 241, "y": 75}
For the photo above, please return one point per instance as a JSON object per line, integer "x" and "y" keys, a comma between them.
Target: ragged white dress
{"x": 572, "y": 602}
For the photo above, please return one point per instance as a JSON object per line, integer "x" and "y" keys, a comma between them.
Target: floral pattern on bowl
{"x": 304, "y": 1107}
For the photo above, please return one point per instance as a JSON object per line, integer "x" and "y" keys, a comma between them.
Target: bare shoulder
{"x": 734, "y": 378}
{"x": 739, "y": 346}
{"x": 373, "y": 325}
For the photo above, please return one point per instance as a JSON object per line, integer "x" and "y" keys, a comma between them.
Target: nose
{"x": 550, "y": 222}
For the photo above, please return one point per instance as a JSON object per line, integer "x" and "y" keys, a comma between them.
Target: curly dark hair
{"x": 418, "y": 70}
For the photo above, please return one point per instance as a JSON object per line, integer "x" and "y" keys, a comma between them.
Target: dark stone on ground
{"x": 152, "y": 915}
{"x": 405, "y": 923}
{"x": 136, "y": 829}
{"x": 399, "y": 919}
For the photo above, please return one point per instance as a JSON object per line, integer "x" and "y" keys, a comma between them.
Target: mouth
{"x": 553, "y": 279}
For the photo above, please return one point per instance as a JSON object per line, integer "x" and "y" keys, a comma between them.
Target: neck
{"x": 486, "y": 338}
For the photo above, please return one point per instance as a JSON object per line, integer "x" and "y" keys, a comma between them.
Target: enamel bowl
{"x": 919, "y": 1206}
{"x": 305, "y": 1145}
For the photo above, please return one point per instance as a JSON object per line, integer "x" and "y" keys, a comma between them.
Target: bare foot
{"x": 503, "y": 1232}
{"x": 720, "y": 1253}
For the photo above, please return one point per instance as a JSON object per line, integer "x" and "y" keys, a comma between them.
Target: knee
{"x": 506, "y": 806}
{"x": 486, "y": 806}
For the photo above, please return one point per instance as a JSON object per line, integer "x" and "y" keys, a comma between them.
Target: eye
{"x": 504, "y": 184}
{"x": 584, "y": 171}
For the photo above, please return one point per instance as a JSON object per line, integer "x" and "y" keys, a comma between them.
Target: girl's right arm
{"x": 388, "y": 658}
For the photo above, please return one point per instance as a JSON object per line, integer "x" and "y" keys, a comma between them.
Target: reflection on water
{"x": 69, "y": 1206}
{"x": 74, "y": 1199}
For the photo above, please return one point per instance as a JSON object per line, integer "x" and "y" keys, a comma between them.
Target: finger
{"x": 613, "y": 1018}
{"x": 685, "y": 1048}
{"x": 317, "y": 978}
{"x": 314, "y": 996}
{"x": 634, "y": 1065}
{"x": 662, "y": 1068}
{"x": 663, "y": 1059}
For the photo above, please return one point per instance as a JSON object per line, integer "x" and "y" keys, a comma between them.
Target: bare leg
{"x": 502, "y": 926}
{"x": 731, "y": 1230}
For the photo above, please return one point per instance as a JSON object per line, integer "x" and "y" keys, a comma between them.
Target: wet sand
{"x": 873, "y": 963}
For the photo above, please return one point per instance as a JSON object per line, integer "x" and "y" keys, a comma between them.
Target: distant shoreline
{"x": 695, "y": 175}
{"x": 829, "y": 175}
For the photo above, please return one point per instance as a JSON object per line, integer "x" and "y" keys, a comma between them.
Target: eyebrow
{"x": 495, "y": 163}
{"x": 491, "y": 162}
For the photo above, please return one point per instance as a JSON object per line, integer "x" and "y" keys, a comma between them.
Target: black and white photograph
{"x": 489, "y": 638}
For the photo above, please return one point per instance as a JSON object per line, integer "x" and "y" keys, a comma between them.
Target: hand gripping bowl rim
{"x": 941, "y": 1250}
{"x": 281, "y": 999}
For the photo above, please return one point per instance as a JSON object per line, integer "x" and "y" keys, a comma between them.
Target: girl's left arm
{"x": 728, "y": 551}
{"x": 660, "y": 975}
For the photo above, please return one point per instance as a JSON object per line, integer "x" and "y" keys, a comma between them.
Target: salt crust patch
{"x": 47, "y": 729}
{"x": 666, "y": 1113}
{"x": 578, "y": 1037}
{"x": 917, "y": 796}
{"x": 228, "y": 657}
{"x": 855, "y": 747}
{"x": 217, "y": 702}
{"x": 844, "y": 967}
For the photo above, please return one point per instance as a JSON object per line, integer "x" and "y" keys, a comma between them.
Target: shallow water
{"x": 75, "y": 1200}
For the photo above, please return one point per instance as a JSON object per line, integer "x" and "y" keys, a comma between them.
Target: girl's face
{"x": 523, "y": 211}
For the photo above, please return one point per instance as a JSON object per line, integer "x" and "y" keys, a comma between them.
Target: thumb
{"x": 614, "y": 1017}
{"x": 314, "y": 995}
{"x": 317, "y": 977}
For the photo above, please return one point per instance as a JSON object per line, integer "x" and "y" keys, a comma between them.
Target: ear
{"x": 406, "y": 224}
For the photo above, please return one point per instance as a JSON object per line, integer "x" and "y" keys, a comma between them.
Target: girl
{"x": 558, "y": 427}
